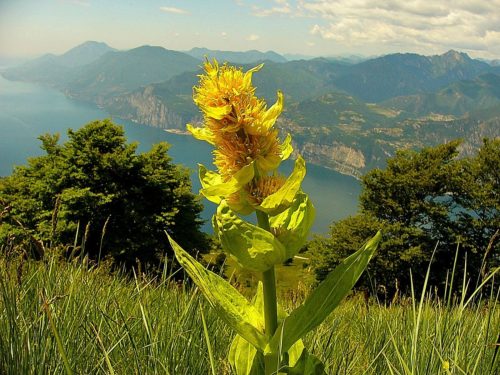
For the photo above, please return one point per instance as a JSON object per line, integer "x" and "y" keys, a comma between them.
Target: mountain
{"x": 398, "y": 74}
{"x": 55, "y": 69}
{"x": 456, "y": 99}
{"x": 358, "y": 140}
{"x": 121, "y": 71}
{"x": 329, "y": 104}
{"x": 297, "y": 56}
{"x": 84, "y": 54}
{"x": 169, "y": 104}
{"x": 246, "y": 57}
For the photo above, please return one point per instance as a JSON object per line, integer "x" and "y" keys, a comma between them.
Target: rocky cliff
{"x": 146, "y": 108}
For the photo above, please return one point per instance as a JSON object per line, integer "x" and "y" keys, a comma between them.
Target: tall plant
{"x": 247, "y": 155}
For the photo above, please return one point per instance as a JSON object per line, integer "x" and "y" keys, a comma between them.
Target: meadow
{"x": 69, "y": 317}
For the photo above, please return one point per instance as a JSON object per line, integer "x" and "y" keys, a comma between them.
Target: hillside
{"x": 456, "y": 99}
{"x": 329, "y": 103}
{"x": 56, "y": 70}
{"x": 118, "y": 72}
{"x": 246, "y": 57}
{"x": 405, "y": 74}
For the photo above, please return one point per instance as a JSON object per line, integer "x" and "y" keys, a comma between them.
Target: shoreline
{"x": 176, "y": 131}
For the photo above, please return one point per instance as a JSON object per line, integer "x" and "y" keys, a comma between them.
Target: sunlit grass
{"x": 111, "y": 324}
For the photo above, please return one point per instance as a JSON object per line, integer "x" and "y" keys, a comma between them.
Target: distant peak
{"x": 92, "y": 43}
{"x": 455, "y": 55}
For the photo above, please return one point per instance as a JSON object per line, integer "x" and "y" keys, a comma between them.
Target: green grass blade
{"x": 207, "y": 339}
{"x": 324, "y": 298}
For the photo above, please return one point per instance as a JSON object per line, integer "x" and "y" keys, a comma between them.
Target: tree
{"x": 95, "y": 187}
{"x": 423, "y": 201}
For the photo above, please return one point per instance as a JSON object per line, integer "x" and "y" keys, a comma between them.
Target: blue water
{"x": 28, "y": 110}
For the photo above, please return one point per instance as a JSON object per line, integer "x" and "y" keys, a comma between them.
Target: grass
{"x": 58, "y": 317}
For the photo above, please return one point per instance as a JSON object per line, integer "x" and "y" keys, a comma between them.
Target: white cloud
{"x": 174, "y": 10}
{"x": 252, "y": 37}
{"x": 418, "y": 25}
{"x": 282, "y": 7}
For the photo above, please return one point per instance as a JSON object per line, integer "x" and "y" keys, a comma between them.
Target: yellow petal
{"x": 268, "y": 119}
{"x": 268, "y": 163}
{"x": 273, "y": 113}
{"x": 286, "y": 147}
{"x": 209, "y": 179}
{"x": 217, "y": 113}
{"x": 203, "y": 134}
{"x": 247, "y": 78}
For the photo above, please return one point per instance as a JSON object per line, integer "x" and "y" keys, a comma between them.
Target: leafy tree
{"x": 423, "y": 201}
{"x": 97, "y": 191}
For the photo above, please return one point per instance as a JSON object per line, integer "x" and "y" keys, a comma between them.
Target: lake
{"x": 28, "y": 110}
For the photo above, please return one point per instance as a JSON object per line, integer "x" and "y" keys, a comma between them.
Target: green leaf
{"x": 282, "y": 199}
{"x": 295, "y": 352}
{"x": 324, "y": 298}
{"x": 292, "y": 225}
{"x": 215, "y": 189}
{"x": 253, "y": 248}
{"x": 307, "y": 364}
{"x": 244, "y": 357}
{"x": 229, "y": 304}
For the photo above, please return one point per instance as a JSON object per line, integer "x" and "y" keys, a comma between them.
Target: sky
{"x": 29, "y": 28}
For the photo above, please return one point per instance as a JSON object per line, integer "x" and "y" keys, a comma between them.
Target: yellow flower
{"x": 226, "y": 95}
{"x": 241, "y": 128}
{"x": 236, "y": 122}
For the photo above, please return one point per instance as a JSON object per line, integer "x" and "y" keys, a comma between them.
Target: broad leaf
{"x": 244, "y": 358}
{"x": 215, "y": 189}
{"x": 229, "y": 304}
{"x": 252, "y": 247}
{"x": 307, "y": 364}
{"x": 282, "y": 199}
{"x": 292, "y": 225}
{"x": 324, "y": 298}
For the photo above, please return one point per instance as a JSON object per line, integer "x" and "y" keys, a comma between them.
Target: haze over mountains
{"x": 344, "y": 115}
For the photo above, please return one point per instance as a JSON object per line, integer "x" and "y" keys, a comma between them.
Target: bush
{"x": 422, "y": 201}
{"x": 96, "y": 191}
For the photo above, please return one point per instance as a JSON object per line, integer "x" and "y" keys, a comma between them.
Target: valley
{"x": 346, "y": 116}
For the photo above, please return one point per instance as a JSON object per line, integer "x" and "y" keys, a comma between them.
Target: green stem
{"x": 270, "y": 300}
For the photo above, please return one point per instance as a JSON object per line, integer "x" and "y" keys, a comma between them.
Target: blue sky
{"x": 310, "y": 27}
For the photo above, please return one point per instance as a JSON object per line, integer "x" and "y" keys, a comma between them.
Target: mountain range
{"x": 345, "y": 114}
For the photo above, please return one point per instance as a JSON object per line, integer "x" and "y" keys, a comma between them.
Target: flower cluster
{"x": 247, "y": 154}
{"x": 241, "y": 127}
